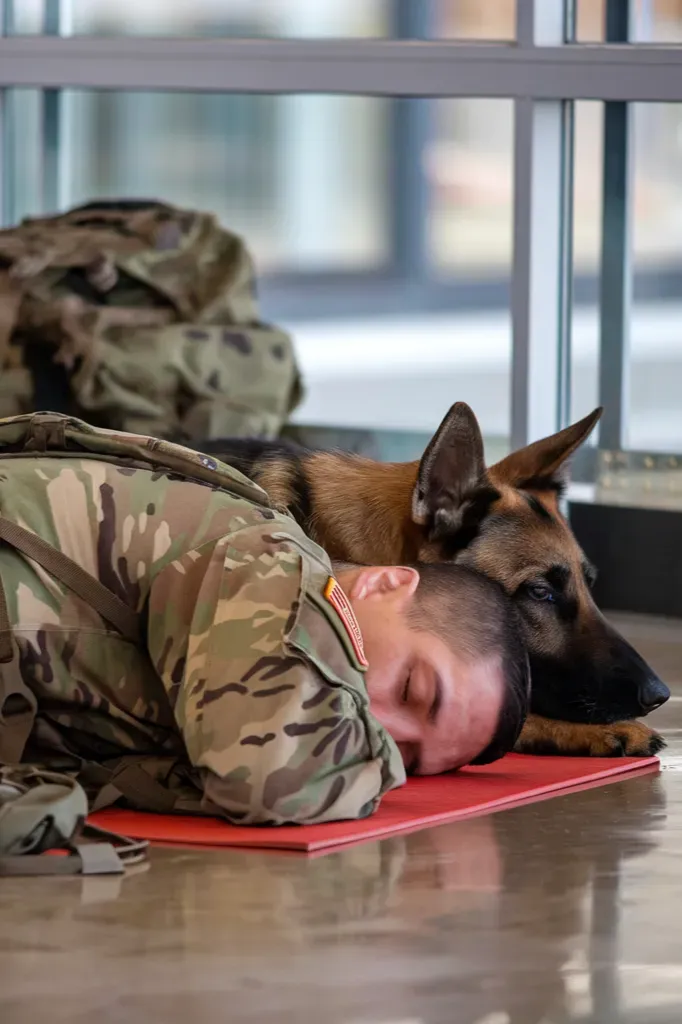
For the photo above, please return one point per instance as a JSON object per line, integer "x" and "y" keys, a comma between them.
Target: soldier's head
{"x": 448, "y": 672}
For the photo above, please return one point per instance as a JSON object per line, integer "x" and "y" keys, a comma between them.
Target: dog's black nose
{"x": 652, "y": 694}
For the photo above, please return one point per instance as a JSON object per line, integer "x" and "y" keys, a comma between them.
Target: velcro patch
{"x": 338, "y": 600}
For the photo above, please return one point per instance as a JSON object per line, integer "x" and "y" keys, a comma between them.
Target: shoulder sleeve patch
{"x": 342, "y": 606}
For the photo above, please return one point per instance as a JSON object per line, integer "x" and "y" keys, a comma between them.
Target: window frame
{"x": 543, "y": 71}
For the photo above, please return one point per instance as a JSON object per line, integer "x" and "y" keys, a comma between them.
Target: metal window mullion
{"x": 6, "y": 188}
{"x": 541, "y": 268}
{"x": 539, "y": 291}
{"x": 616, "y": 251}
{"x": 411, "y": 129}
{"x": 56, "y": 23}
{"x": 646, "y": 73}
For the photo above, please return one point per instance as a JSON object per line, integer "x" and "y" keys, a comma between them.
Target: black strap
{"x": 125, "y": 777}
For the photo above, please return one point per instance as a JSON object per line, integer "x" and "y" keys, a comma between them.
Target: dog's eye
{"x": 540, "y": 592}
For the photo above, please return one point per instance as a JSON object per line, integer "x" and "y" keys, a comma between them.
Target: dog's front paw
{"x": 625, "y": 739}
{"x": 574, "y": 739}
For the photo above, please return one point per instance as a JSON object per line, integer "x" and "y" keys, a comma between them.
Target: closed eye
{"x": 437, "y": 698}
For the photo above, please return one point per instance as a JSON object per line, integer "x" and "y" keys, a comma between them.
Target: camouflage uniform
{"x": 247, "y": 697}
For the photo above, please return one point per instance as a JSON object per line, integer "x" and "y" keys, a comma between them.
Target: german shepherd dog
{"x": 505, "y": 520}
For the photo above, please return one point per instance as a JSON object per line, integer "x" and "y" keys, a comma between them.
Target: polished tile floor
{"x": 568, "y": 910}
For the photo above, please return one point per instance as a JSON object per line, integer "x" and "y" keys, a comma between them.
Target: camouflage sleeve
{"x": 276, "y": 737}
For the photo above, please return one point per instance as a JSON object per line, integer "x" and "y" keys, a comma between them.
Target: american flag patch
{"x": 338, "y": 600}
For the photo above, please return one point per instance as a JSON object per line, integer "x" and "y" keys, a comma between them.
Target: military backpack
{"x": 141, "y": 317}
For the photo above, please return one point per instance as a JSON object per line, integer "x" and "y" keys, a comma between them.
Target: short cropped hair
{"x": 475, "y": 618}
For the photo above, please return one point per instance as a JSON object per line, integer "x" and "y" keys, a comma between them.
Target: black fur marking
{"x": 474, "y": 510}
{"x": 543, "y": 483}
{"x": 656, "y": 744}
{"x": 567, "y": 608}
{"x": 596, "y": 682}
{"x": 538, "y": 507}
{"x": 558, "y": 576}
{"x": 548, "y": 748}
{"x": 302, "y": 499}
{"x": 244, "y": 453}
{"x": 589, "y": 574}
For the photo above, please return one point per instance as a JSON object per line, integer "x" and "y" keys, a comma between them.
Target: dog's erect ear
{"x": 451, "y": 466}
{"x": 544, "y": 463}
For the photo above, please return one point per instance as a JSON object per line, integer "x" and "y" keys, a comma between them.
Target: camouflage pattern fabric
{"x": 141, "y": 317}
{"x": 247, "y": 699}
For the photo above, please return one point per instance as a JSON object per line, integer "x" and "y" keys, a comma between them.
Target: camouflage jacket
{"x": 246, "y": 697}
{"x": 140, "y": 317}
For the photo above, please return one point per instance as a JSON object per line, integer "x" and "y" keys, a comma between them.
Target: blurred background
{"x": 382, "y": 229}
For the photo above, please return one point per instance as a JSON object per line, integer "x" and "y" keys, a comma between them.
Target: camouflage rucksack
{"x": 140, "y": 317}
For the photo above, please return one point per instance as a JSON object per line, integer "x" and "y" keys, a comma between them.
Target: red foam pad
{"x": 433, "y": 800}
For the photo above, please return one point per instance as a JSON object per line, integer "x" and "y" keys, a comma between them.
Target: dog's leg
{"x": 619, "y": 739}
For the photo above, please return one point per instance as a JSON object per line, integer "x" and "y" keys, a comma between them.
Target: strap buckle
{"x": 46, "y": 430}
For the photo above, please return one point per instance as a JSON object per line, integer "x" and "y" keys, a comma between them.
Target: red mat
{"x": 516, "y": 779}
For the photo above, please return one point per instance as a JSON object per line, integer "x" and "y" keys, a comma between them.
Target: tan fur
{"x": 276, "y": 477}
{"x": 546, "y": 736}
{"x": 362, "y": 508}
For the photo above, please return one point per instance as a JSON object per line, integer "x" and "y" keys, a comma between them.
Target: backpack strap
{"x": 68, "y": 572}
{"x": 111, "y": 855}
{"x": 125, "y": 777}
{"x": 122, "y": 777}
{"x": 17, "y": 702}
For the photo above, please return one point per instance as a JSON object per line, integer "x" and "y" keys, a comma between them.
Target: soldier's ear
{"x": 376, "y": 581}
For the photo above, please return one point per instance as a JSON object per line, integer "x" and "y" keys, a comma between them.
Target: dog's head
{"x": 506, "y": 522}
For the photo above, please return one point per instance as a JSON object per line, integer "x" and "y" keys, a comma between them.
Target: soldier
{"x": 168, "y": 637}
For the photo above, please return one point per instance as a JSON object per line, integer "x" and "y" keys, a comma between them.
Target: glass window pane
{"x": 302, "y": 177}
{"x": 473, "y": 19}
{"x": 653, "y": 407}
{"x": 655, "y": 421}
{"x": 654, "y": 21}
{"x": 444, "y": 19}
{"x": 293, "y": 18}
{"x": 469, "y": 165}
{"x": 590, "y": 21}
{"x": 311, "y": 184}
